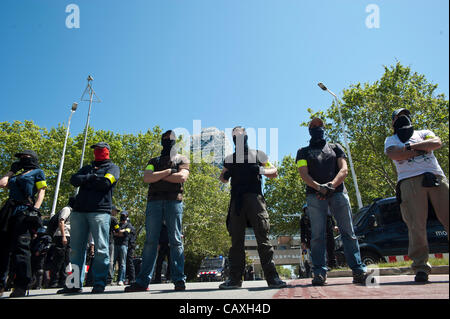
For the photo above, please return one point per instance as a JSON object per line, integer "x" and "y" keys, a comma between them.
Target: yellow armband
{"x": 41, "y": 184}
{"x": 301, "y": 163}
{"x": 111, "y": 178}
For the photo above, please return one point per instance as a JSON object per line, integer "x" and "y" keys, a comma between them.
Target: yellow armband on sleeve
{"x": 111, "y": 178}
{"x": 41, "y": 184}
{"x": 301, "y": 163}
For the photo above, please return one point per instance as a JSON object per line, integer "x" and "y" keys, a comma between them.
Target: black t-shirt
{"x": 163, "y": 190}
{"x": 322, "y": 164}
{"x": 244, "y": 178}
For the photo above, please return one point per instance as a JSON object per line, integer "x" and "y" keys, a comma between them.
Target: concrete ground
{"x": 381, "y": 287}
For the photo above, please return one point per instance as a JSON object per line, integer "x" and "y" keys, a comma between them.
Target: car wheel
{"x": 369, "y": 258}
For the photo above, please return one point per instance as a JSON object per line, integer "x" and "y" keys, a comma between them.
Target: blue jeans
{"x": 120, "y": 255}
{"x": 339, "y": 205}
{"x": 171, "y": 211}
{"x": 83, "y": 223}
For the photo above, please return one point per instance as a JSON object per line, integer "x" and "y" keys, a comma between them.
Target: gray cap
{"x": 101, "y": 145}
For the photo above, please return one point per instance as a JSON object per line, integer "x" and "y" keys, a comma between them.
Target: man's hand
{"x": 325, "y": 191}
{"x": 64, "y": 240}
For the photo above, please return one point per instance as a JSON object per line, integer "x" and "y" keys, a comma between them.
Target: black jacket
{"x": 96, "y": 182}
{"x": 123, "y": 240}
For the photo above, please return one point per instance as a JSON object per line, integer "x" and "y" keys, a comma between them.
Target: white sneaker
{"x": 120, "y": 283}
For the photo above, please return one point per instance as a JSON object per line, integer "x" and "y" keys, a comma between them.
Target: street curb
{"x": 435, "y": 270}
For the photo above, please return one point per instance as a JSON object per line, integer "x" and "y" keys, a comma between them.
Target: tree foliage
{"x": 285, "y": 196}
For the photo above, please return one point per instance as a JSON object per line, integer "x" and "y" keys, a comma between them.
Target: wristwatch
{"x": 408, "y": 146}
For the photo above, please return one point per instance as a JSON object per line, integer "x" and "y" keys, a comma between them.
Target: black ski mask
{"x": 167, "y": 143}
{"x": 29, "y": 163}
{"x": 403, "y": 128}
{"x": 317, "y": 136}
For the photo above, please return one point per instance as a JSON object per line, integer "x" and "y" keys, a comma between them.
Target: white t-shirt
{"x": 416, "y": 165}
{"x": 65, "y": 214}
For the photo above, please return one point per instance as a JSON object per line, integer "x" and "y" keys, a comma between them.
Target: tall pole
{"x": 91, "y": 96}
{"x": 355, "y": 181}
{"x": 61, "y": 164}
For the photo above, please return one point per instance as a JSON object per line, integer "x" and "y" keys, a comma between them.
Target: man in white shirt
{"x": 420, "y": 178}
{"x": 61, "y": 238}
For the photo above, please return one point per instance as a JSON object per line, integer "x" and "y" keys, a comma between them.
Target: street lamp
{"x": 61, "y": 164}
{"x": 358, "y": 195}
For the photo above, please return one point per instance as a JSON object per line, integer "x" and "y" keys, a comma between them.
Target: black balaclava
{"x": 167, "y": 143}
{"x": 29, "y": 163}
{"x": 403, "y": 128}
{"x": 240, "y": 143}
{"x": 317, "y": 136}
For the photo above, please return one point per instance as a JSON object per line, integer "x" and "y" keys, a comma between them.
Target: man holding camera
{"x": 420, "y": 179}
{"x": 323, "y": 168}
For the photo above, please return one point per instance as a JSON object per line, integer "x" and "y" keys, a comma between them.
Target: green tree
{"x": 285, "y": 197}
{"x": 205, "y": 209}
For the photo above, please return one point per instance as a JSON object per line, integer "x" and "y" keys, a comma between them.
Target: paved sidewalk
{"x": 386, "y": 287}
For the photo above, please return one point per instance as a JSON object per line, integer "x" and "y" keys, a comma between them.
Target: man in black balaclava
{"x": 420, "y": 179}
{"x": 323, "y": 168}
{"x": 165, "y": 175}
{"x": 20, "y": 218}
{"x": 248, "y": 207}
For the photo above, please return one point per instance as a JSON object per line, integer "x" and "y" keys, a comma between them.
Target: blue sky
{"x": 254, "y": 63}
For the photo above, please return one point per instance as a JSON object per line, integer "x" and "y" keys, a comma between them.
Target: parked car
{"x": 382, "y": 232}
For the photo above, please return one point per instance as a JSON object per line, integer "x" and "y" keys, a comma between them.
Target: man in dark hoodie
{"x": 91, "y": 214}
{"x": 165, "y": 175}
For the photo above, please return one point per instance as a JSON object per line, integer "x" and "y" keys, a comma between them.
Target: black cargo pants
{"x": 16, "y": 247}
{"x": 253, "y": 210}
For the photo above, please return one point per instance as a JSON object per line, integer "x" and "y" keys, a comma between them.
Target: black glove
{"x": 325, "y": 191}
{"x": 15, "y": 167}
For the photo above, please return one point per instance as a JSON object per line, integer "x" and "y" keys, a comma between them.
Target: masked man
{"x": 91, "y": 214}
{"x": 20, "y": 218}
{"x": 323, "y": 168}
{"x": 248, "y": 207}
{"x": 165, "y": 175}
{"x": 420, "y": 179}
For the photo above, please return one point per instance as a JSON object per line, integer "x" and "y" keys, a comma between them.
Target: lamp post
{"x": 358, "y": 195}
{"x": 61, "y": 164}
